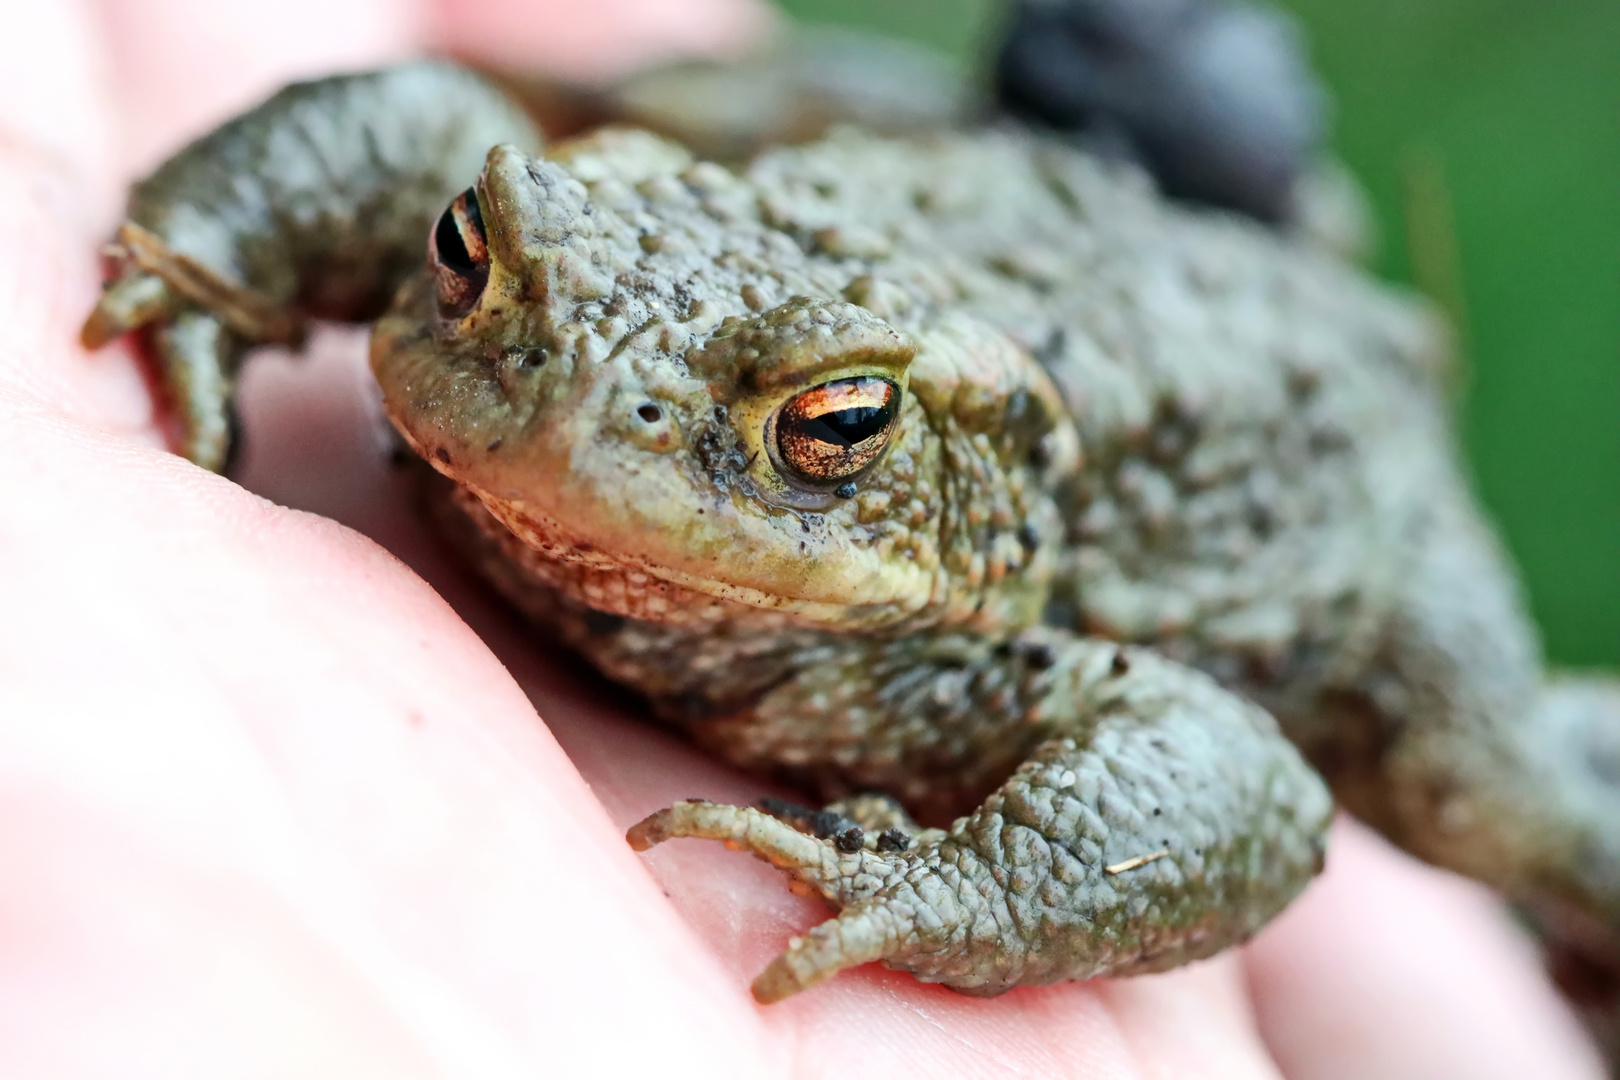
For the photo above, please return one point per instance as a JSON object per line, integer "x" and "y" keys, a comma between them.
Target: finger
{"x": 51, "y": 92}
{"x": 183, "y": 66}
{"x": 1388, "y": 968}
{"x": 601, "y": 38}
{"x": 55, "y": 198}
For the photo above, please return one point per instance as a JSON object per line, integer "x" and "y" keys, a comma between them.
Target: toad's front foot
{"x": 1160, "y": 838}
{"x": 316, "y": 204}
{"x": 871, "y": 878}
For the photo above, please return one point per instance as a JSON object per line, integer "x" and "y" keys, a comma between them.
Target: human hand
{"x": 271, "y": 804}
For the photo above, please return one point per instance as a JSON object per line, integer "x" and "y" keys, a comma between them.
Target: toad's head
{"x": 628, "y": 373}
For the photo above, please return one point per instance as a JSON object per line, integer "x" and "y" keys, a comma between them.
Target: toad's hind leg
{"x": 1159, "y": 820}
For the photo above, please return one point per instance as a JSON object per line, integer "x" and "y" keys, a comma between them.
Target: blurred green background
{"x": 1496, "y": 124}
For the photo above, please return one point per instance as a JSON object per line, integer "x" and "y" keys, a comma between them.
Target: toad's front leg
{"x": 315, "y": 204}
{"x": 1159, "y": 820}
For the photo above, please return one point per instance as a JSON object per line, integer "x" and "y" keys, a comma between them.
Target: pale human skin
{"x": 273, "y": 807}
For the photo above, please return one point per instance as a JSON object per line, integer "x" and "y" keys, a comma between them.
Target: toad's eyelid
{"x": 869, "y": 393}
{"x": 469, "y": 218}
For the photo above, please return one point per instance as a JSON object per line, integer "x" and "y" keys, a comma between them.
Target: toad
{"x": 1072, "y": 544}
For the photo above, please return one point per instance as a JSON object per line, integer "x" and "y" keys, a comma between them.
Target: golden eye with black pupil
{"x": 460, "y": 256}
{"x": 828, "y": 435}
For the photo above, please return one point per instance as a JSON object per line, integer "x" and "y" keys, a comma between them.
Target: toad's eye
{"x": 460, "y": 256}
{"x": 830, "y": 434}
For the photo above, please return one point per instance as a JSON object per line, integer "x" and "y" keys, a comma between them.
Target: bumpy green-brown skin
{"x": 1151, "y": 468}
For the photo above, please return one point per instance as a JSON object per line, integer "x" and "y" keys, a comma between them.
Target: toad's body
{"x": 965, "y": 470}
{"x": 1236, "y": 480}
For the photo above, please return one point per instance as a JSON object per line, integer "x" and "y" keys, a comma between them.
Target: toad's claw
{"x": 737, "y": 827}
{"x": 859, "y": 935}
{"x": 866, "y": 930}
{"x": 128, "y": 304}
{"x": 840, "y": 877}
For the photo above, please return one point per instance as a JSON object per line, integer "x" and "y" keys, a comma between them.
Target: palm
{"x": 273, "y": 807}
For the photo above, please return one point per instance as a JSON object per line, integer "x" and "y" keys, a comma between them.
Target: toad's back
{"x": 1258, "y": 421}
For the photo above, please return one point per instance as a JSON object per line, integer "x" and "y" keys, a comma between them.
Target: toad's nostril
{"x": 650, "y": 413}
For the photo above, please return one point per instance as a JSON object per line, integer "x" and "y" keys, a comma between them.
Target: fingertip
{"x": 183, "y": 66}
{"x": 53, "y": 91}
{"x": 1390, "y": 968}
{"x": 599, "y": 39}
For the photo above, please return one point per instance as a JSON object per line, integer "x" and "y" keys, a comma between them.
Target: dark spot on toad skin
{"x": 845, "y": 491}
{"x": 1040, "y": 657}
{"x": 1029, "y": 537}
{"x": 1120, "y": 665}
{"x": 526, "y": 356}
{"x": 494, "y": 445}
{"x": 1303, "y": 383}
{"x": 893, "y": 840}
{"x": 602, "y": 623}
{"x": 1329, "y": 441}
{"x": 442, "y": 454}
{"x": 784, "y": 810}
{"x": 846, "y": 835}
{"x": 1051, "y": 350}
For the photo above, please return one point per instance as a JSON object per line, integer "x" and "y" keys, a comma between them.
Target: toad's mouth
{"x": 634, "y": 586}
